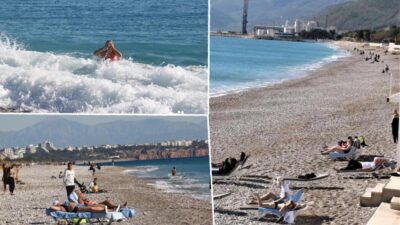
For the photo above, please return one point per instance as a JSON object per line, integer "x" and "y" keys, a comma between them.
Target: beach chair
{"x": 296, "y": 197}
{"x": 350, "y": 155}
{"x": 318, "y": 177}
{"x": 91, "y": 218}
{"x": 238, "y": 165}
{"x": 289, "y": 216}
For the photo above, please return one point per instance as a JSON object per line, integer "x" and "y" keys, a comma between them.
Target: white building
{"x": 298, "y": 26}
{"x": 311, "y": 25}
{"x": 31, "y": 149}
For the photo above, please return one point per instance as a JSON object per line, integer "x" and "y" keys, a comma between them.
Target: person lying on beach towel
{"x": 369, "y": 166}
{"x": 282, "y": 197}
{"x": 78, "y": 198}
{"x": 342, "y": 147}
{"x": 73, "y": 207}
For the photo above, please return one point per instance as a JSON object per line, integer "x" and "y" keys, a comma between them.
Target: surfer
{"x": 173, "y": 172}
{"x": 108, "y": 51}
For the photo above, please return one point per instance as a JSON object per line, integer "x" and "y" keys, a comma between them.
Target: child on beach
{"x": 9, "y": 177}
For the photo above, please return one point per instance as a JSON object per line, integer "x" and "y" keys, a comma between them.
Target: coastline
{"x": 308, "y": 68}
{"x": 152, "y": 206}
{"x": 283, "y": 127}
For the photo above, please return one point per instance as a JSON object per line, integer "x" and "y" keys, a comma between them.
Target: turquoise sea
{"x": 238, "y": 64}
{"x": 46, "y": 62}
{"x": 193, "y": 174}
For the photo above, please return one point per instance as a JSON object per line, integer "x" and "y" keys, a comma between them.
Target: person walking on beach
{"x": 9, "y": 176}
{"x": 69, "y": 179}
{"x": 6, "y": 174}
{"x": 108, "y": 51}
{"x": 395, "y": 126}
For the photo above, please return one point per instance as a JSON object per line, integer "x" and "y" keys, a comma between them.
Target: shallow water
{"x": 238, "y": 63}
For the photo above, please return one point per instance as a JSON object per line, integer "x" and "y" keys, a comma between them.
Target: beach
{"x": 152, "y": 206}
{"x": 284, "y": 126}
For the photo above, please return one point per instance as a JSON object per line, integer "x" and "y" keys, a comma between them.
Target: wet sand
{"x": 152, "y": 206}
{"x": 283, "y": 127}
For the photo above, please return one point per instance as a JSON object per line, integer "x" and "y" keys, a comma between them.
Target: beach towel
{"x": 122, "y": 214}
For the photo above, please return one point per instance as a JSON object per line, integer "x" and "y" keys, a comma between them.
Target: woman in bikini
{"x": 108, "y": 51}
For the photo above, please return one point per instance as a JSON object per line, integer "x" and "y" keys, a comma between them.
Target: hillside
{"x": 362, "y": 14}
{"x": 227, "y": 14}
{"x": 63, "y": 132}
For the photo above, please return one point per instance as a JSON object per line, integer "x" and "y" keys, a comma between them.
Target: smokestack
{"x": 244, "y": 19}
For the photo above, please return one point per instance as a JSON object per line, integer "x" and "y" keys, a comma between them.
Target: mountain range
{"x": 344, "y": 14}
{"x": 63, "y": 132}
{"x": 362, "y": 14}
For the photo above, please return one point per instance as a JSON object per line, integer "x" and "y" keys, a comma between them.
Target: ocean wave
{"x": 140, "y": 170}
{"x": 48, "y": 82}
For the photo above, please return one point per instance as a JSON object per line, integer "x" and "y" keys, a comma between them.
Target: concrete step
{"x": 384, "y": 213}
{"x": 372, "y": 196}
{"x": 395, "y": 203}
{"x": 392, "y": 189}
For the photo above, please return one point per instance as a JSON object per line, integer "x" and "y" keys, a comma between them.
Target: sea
{"x": 192, "y": 178}
{"x": 46, "y": 61}
{"x": 238, "y": 64}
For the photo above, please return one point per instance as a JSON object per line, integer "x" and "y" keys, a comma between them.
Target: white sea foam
{"x": 48, "y": 82}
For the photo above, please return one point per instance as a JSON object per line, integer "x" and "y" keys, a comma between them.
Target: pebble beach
{"x": 284, "y": 126}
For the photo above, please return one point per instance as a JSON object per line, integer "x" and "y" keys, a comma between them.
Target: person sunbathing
{"x": 342, "y": 147}
{"x": 78, "y": 198}
{"x": 369, "y": 166}
{"x": 74, "y": 207}
{"x": 282, "y": 207}
{"x": 282, "y": 197}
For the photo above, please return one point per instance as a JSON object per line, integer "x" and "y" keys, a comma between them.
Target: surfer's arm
{"x": 117, "y": 53}
{"x": 100, "y": 52}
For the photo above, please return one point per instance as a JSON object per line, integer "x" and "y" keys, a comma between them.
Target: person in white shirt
{"x": 69, "y": 179}
{"x": 282, "y": 197}
{"x": 368, "y": 166}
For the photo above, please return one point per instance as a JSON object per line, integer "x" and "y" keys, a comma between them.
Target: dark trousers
{"x": 70, "y": 189}
{"x": 11, "y": 184}
{"x": 395, "y": 136}
{"x": 353, "y": 165}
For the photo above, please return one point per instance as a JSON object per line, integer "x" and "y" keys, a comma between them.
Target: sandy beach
{"x": 152, "y": 206}
{"x": 283, "y": 127}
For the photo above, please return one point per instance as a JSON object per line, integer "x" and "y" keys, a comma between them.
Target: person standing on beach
{"x": 173, "y": 172}
{"x": 12, "y": 178}
{"x": 395, "y": 126}
{"x": 69, "y": 179}
{"x": 6, "y": 174}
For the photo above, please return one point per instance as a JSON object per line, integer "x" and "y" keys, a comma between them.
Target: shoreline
{"x": 341, "y": 53}
{"x": 283, "y": 127}
{"x": 152, "y": 206}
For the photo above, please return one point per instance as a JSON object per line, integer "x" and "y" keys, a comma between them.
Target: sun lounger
{"x": 289, "y": 216}
{"x": 238, "y": 165}
{"x": 318, "y": 177}
{"x": 350, "y": 155}
{"x": 90, "y": 218}
{"x": 296, "y": 197}
{"x": 222, "y": 195}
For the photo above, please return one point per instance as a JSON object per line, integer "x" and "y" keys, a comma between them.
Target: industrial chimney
{"x": 244, "y": 19}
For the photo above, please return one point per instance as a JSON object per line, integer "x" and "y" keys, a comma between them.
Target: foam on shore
{"x": 48, "y": 82}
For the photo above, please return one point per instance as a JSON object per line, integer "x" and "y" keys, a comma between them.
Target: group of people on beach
{"x": 77, "y": 201}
